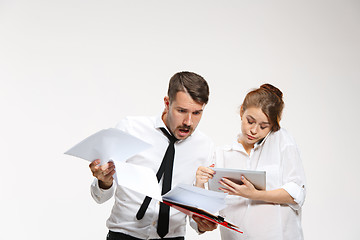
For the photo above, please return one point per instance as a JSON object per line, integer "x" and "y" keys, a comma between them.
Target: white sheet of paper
{"x": 138, "y": 178}
{"x": 108, "y": 144}
{"x": 117, "y": 146}
{"x": 209, "y": 201}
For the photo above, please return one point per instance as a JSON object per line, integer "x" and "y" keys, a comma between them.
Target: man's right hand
{"x": 103, "y": 173}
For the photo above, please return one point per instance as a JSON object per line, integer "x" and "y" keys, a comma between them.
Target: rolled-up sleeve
{"x": 101, "y": 195}
{"x": 297, "y": 192}
{"x": 293, "y": 176}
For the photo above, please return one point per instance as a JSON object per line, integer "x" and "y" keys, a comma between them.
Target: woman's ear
{"x": 241, "y": 111}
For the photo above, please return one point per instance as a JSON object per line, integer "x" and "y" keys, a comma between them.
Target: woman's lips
{"x": 250, "y": 137}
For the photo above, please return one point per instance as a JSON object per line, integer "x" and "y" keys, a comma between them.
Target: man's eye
{"x": 196, "y": 113}
{"x": 182, "y": 110}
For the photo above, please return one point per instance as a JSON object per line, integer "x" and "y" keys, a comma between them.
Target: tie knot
{"x": 171, "y": 137}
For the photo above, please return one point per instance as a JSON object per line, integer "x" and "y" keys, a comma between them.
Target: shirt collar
{"x": 159, "y": 122}
{"x": 237, "y": 146}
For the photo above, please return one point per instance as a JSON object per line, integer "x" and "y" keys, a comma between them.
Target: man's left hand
{"x": 204, "y": 225}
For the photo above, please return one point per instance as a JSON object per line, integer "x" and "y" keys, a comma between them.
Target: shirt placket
{"x": 152, "y": 227}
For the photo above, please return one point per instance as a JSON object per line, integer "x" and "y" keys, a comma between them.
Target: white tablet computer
{"x": 257, "y": 178}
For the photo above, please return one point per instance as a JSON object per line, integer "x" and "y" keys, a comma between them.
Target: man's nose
{"x": 188, "y": 120}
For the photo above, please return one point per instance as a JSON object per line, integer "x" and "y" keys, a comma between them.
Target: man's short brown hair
{"x": 191, "y": 83}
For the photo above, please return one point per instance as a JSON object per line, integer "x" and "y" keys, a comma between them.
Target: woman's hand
{"x": 246, "y": 190}
{"x": 203, "y": 174}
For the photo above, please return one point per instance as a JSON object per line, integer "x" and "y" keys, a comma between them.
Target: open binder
{"x": 192, "y": 200}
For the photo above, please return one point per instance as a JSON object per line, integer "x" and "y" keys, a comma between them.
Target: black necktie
{"x": 166, "y": 168}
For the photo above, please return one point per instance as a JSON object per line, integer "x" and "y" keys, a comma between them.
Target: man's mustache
{"x": 185, "y": 127}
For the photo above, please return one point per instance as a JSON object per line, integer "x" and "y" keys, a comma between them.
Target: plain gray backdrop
{"x": 70, "y": 68}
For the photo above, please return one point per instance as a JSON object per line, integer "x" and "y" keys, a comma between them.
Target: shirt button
{"x": 154, "y": 223}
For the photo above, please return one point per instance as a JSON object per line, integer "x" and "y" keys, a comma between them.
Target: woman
{"x": 274, "y": 213}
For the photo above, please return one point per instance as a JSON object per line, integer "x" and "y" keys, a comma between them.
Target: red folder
{"x": 188, "y": 210}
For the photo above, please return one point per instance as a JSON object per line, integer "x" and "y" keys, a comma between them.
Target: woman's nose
{"x": 253, "y": 130}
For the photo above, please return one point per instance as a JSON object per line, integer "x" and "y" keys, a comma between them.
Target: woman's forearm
{"x": 279, "y": 196}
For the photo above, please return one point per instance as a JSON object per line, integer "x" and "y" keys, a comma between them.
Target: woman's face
{"x": 254, "y": 126}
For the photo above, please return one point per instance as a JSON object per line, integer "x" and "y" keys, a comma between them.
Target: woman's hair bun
{"x": 272, "y": 89}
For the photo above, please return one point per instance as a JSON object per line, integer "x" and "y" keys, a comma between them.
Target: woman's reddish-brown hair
{"x": 269, "y": 99}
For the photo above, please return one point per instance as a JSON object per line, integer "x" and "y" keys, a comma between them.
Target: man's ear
{"x": 167, "y": 103}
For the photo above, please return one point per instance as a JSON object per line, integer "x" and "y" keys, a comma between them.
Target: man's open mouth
{"x": 184, "y": 130}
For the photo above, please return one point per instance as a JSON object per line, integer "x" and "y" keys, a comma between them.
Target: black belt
{"x": 122, "y": 236}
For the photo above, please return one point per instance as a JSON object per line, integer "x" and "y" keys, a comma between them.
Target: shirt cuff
{"x": 296, "y": 192}
{"x": 101, "y": 195}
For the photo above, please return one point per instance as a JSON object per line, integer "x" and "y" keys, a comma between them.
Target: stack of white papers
{"x": 108, "y": 144}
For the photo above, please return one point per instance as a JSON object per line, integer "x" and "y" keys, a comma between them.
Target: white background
{"x": 69, "y": 68}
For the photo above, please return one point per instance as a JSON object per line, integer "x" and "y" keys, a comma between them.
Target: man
{"x": 133, "y": 216}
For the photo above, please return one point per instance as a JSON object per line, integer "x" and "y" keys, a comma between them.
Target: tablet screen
{"x": 257, "y": 178}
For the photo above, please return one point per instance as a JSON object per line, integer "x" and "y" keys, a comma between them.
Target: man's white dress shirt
{"x": 197, "y": 150}
{"x": 279, "y": 156}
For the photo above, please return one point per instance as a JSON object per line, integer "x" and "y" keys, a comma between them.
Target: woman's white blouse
{"x": 279, "y": 156}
